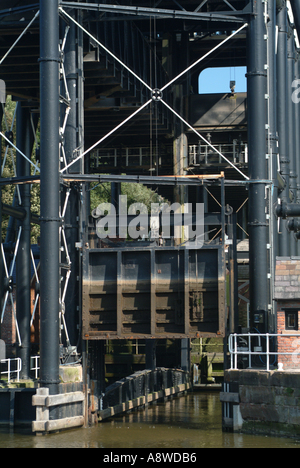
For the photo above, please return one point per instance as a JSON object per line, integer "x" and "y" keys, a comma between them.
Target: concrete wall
{"x": 263, "y": 402}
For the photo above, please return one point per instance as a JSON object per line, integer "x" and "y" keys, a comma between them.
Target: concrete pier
{"x": 261, "y": 402}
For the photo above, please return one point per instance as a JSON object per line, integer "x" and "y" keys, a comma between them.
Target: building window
{"x": 291, "y": 319}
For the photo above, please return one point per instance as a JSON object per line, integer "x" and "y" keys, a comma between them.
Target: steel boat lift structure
{"x": 99, "y": 74}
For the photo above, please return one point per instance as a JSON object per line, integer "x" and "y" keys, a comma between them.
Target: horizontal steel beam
{"x": 19, "y": 213}
{"x": 154, "y": 12}
{"x": 146, "y": 180}
{"x": 171, "y": 219}
{"x": 135, "y": 179}
{"x": 19, "y": 180}
{"x": 18, "y": 10}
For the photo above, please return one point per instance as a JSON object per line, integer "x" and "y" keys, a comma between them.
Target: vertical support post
{"x": 291, "y": 126}
{"x": 119, "y": 294}
{"x": 233, "y": 279}
{"x": 250, "y": 358}
{"x": 180, "y": 156}
{"x": 235, "y": 352}
{"x": 12, "y": 399}
{"x": 24, "y": 143}
{"x": 85, "y": 353}
{"x": 295, "y": 4}
{"x": 297, "y": 126}
{"x": 115, "y": 194}
{"x": 282, "y": 113}
{"x": 185, "y": 354}
{"x": 72, "y": 131}
{"x": 186, "y": 292}
{"x": 72, "y": 141}
{"x": 273, "y": 135}
{"x": 258, "y": 226}
{"x": 1, "y": 262}
{"x": 150, "y": 354}
{"x": 49, "y": 100}
{"x": 151, "y": 343}
{"x": 153, "y": 291}
{"x": 223, "y": 308}
{"x": 272, "y": 148}
{"x": 1, "y": 259}
{"x": 267, "y": 351}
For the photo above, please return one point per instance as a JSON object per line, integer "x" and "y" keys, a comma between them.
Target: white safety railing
{"x": 34, "y": 365}
{"x": 237, "y": 152}
{"x": 11, "y": 371}
{"x": 242, "y": 344}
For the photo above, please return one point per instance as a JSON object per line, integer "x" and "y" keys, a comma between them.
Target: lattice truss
{"x": 66, "y": 103}
{"x": 155, "y": 95}
{"x": 9, "y": 269}
{"x": 11, "y": 148}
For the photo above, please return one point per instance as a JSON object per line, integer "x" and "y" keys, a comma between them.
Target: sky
{"x": 216, "y": 80}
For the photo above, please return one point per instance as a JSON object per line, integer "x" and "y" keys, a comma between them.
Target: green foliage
{"x": 136, "y": 193}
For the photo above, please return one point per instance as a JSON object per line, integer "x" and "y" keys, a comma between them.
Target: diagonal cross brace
{"x": 156, "y": 12}
{"x": 156, "y": 94}
{"x": 8, "y": 275}
{"x": 204, "y": 139}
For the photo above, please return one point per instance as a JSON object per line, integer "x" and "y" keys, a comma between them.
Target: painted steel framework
{"x": 70, "y": 40}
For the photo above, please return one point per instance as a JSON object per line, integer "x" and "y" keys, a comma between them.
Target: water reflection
{"x": 189, "y": 422}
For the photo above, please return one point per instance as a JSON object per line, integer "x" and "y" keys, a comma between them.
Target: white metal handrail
{"x": 35, "y": 366}
{"x": 9, "y": 371}
{"x": 235, "y": 350}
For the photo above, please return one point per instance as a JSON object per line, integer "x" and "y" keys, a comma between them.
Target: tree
{"x": 136, "y": 193}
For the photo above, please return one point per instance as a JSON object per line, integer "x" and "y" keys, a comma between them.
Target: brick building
{"x": 287, "y": 295}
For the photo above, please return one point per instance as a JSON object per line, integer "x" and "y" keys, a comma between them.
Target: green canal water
{"x": 189, "y": 422}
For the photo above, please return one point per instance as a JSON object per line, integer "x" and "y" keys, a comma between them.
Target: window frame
{"x": 290, "y": 312}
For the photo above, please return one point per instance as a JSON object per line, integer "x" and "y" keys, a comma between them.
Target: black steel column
{"x": 273, "y": 151}
{"x": 25, "y": 140}
{"x": 1, "y": 259}
{"x": 297, "y": 127}
{"x": 150, "y": 354}
{"x": 291, "y": 127}
{"x": 72, "y": 213}
{"x": 273, "y": 135}
{"x": 258, "y": 225}
{"x": 49, "y": 281}
{"x": 282, "y": 116}
{"x": 233, "y": 274}
{"x": 185, "y": 354}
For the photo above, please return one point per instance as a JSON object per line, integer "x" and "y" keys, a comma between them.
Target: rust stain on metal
{"x": 123, "y": 297}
